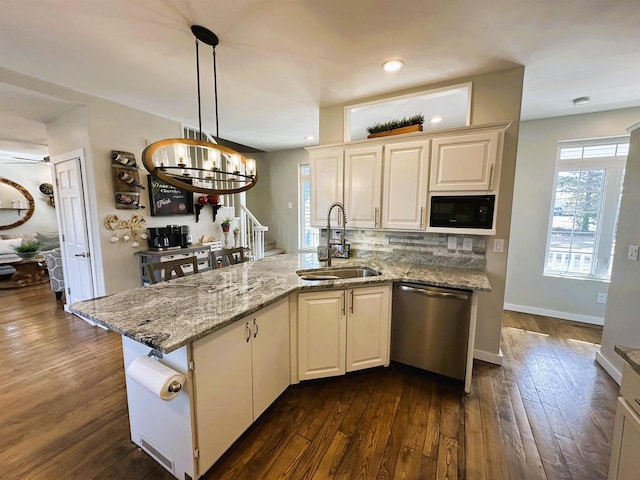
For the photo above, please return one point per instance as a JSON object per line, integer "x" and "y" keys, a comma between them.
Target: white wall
{"x": 622, "y": 315}
{"x": 527, "y": 289}
{"x": 30, "y": 176}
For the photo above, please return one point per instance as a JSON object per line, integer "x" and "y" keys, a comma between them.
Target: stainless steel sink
{"x": 337, "y": 273}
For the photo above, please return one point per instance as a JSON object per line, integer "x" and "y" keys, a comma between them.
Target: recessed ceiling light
{"x": 392, "y": 65}
{"x": 309, "y": 137}
{"x": 581, "y": 101}
{"x": 435, "y": 119}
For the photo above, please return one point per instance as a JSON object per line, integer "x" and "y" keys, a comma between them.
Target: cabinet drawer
{"x": 630, "y": 389}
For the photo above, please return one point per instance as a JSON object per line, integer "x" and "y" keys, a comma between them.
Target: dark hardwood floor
{"x": 547, "y": 413}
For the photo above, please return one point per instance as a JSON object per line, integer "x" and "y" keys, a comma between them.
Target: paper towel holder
{"x": 154, "y": 353}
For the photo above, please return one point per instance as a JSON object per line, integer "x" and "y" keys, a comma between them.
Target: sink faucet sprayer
{"x": 344, "y": 225}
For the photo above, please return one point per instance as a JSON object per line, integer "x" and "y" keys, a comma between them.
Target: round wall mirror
{"x": 16, "y": 204}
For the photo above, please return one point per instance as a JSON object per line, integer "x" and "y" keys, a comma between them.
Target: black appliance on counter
{"x": 170, "y": 237}
{"x": 462, "y": 211}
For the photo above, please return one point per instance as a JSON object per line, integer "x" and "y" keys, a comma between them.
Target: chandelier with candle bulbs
{"x": 198, "y": 165}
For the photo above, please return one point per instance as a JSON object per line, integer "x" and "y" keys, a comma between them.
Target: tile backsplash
{"x": 414, "y": 247}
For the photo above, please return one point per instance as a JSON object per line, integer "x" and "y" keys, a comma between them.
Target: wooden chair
{"x": 232, "y": 256}
{"x": 170, "y": 267}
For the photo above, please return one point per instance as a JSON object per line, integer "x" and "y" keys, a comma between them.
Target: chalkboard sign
{"x": 168, "y": 200}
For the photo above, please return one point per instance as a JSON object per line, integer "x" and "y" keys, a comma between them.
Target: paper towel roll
{"x": 155, "y": 377}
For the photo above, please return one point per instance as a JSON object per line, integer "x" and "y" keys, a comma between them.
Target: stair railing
{"x": 251, "y": 232}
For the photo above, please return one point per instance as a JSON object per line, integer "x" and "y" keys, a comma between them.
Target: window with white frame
{"x": 308, "y": 236}
{"x": 585, "y": 205}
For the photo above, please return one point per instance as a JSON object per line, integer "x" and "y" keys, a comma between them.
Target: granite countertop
{"x": 631, "y": 356}
{"x": 168, "y": 315}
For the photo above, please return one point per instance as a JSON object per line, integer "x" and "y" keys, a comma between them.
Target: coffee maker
{"x": 185, "y": 236}
{"x": 170, "y": 237}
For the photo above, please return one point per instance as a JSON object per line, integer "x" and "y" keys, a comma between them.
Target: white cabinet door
{"x": 326, "y": 183}
{"x": 368, "y": 324}
{"x": 406, "y": 170}
{"x": 270, "y": 352}
{"x": 625, "y": 462}
{"x": 321, "y": 334}
{"x": 465, "y": 162}
{"x": 223, "y": 390}
{"x": 362, "y": 186}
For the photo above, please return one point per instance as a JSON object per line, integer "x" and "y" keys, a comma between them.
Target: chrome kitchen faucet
{"x": 344, "y": 225}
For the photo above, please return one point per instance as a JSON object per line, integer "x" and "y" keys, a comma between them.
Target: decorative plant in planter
{"x": 226, "y": 224}
{"x": 395, "y": 127}
{"x": 27, "y": 249}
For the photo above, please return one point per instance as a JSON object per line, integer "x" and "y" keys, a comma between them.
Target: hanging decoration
{"x": 136, "y": 229}
{"x": 198, "y": 165}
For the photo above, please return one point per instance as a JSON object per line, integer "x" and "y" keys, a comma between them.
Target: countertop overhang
{"x": 170, "y": 314}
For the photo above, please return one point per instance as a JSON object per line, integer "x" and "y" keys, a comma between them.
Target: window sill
{"x": 576, "y": 277}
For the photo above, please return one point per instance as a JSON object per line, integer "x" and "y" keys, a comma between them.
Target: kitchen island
{"x": 233, "y": 333}
{"x": 171, "y": 314}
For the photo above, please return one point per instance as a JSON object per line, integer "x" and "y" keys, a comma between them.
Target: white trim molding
{"x": 495, "y": 358}
{"x": 609, "y": 367}
{"x": 575, "y": 317}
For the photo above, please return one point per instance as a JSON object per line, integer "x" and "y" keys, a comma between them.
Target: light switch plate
{"x": 498, "y": 245}
{"x": 467, "y": 244}
{"x": 632, "y": 254}
{"x": 452, "y": 243}
{"x": 601, "y": 297}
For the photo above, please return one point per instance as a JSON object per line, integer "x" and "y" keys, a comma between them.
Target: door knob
{"x": 83, "y": 254}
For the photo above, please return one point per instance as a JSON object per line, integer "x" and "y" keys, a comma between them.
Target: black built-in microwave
{"x": 462, "y": 211}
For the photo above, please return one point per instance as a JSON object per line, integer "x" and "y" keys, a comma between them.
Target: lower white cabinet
{"x": 342, "y": 331}
{"x": 238, "y": 372}
{"x": 625, "y": 461}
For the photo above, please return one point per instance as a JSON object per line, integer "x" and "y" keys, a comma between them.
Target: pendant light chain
{"x": 198, "y": 77}
{"x": 215, "y": 89}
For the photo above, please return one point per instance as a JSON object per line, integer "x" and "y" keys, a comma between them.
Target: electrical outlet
{"x": 290, "y": 205}
{"x": 467, "y": 244}
{"x": 452, "y": 243}
{"x": 498, "y": 245}
{"x": 632, "y": 254}
{"x": 601, "y": 297}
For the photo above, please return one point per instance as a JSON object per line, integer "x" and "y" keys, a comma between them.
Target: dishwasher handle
{"x": 434, "y": 293}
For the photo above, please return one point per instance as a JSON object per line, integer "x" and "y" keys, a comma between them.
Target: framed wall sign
{"x": 165, "y": 199}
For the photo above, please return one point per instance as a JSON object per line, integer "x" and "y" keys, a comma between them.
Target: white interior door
{"x": 70, "y": 201}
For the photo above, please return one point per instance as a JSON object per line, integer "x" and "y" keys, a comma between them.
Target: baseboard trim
{"x": 90, "y": 322}
{"x": 496, "y": 359}
{"x": 555, "y": 313}
{"x": 609, "y": 367}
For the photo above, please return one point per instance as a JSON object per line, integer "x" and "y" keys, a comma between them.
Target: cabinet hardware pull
{"x": 248, "y": 330}
{"x": 490, "y": 176}
{"x": 421, "y": 216}
{"x": 256, "y": 325}
{"x": 344, "y": 307}
{"x": 375, "y": 217}
{"x": 351, "y": 301}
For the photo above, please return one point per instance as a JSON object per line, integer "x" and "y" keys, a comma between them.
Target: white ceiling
{"x": 280, "y": 60}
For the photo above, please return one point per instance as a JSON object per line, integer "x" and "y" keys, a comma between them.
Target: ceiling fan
{"x": 6, "y": 160}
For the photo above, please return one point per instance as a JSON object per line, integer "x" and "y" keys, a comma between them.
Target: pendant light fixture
{"x": 197, "y": 165}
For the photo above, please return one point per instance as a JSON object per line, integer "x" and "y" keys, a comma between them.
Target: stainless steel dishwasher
{"x": 430, "y": 328}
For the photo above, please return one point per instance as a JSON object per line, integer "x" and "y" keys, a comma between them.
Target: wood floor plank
{"x": 547, "y": 413}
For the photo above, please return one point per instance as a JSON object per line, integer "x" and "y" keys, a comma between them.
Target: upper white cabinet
{"x": 342, "y": 331}
{"x": 326, "y": 182}
{"x": 465, "y": 162}
{"x": 362, "y": 182}
{"x": 406, "y": 171}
